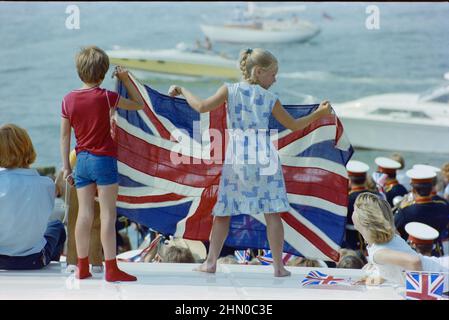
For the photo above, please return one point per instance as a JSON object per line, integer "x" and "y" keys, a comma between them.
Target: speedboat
{"x": 399, "y": 121}
{"x": 179, "y": 61}
{"x": 255, "y": 26}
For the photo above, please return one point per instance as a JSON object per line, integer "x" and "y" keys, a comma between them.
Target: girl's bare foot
{"x": 282, "y": 272}
{"x": 205, "y": 267}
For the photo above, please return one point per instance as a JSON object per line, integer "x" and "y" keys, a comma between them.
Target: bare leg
{"x": 86, "y": 196}
{"x": 108, "y": 213}
{"x": 220, "y": 229}
{"x": 275, "y": 235}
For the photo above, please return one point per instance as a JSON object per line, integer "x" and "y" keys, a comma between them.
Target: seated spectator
{"x": 27, "y": 239}
{"x": 229, "y": 259}
{"x": 95, "y": 248}
{"x": 182, "y": 251}
{"x": 356, "y": 253}
{"x": 304, "y": 262}
{"x": 175, "y": 254}
{"x": 350, "y": 262}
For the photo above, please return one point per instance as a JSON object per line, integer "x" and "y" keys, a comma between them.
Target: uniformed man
{"x": 387, "y": 183}
{"x": 443, "y": 241}
{"x": 434, "y": 193}
{"x": 422, "y": 209}
{"x": 421, "y": 237}
{"x": 357, "y": 174}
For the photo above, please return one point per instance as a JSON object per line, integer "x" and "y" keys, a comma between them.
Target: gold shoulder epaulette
{"x": 405, "y": 204}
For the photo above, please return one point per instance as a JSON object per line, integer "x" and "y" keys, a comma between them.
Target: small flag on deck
{"x": 423, "y": 285}
{"x": 266, "y": 257}
{"x": 316, "y": 278}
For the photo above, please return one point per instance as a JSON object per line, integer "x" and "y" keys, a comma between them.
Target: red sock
{"x": 82, "y": 271}
{"x": 113, "y": 273}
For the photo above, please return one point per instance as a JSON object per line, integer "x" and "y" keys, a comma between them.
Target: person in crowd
{"x": 27, "y": 239}
{"x": 400, "y": 173}
{"x": 95, "y": 249}
{"x": 388, "y": 253}
{"x": 421, "y": 237}
{"x": 357, "y": 173}
{"x": 229, "y": 259}
{"x": 423, "y": 209}
{"x": 445, "y": 173}
{"x": 350, "y": 262}
{"x": 385, "y": 178}
{"x": 175, "y": 254}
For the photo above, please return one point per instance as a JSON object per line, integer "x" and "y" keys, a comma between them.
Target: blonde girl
{"x": 245, "y": 187}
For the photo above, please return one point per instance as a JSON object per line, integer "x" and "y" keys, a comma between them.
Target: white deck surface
{"x": 169, "y": 281}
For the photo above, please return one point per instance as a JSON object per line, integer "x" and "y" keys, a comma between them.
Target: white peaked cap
{"x": 425, "y": 166}
{"x": 387, "y": 163}
{"x": 421, "y": 175}
{"x": 421, "y": 233}
{"x": 355, "y": 167}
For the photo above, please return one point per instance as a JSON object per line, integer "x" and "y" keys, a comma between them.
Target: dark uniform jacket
{"x": 394, "y": 190}
{"x": 434, "y": 213}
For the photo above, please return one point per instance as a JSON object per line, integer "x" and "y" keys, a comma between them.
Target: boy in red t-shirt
{"x": 87, "y": 110}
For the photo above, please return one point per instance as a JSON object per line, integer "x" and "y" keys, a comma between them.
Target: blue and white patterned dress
{"x": 252, "y": 181}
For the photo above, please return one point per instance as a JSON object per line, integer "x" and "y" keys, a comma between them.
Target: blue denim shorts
{"x": 90, "y": 168}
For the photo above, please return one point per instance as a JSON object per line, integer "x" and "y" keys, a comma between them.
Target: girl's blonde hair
{"x": 251, "y": 58}
{"x": 375, "y": 215}
{"x": 16, "y": 148}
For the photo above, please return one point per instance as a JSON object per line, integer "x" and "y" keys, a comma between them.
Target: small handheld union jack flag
{"x": 318, "y": 278}
{"x": 243, "y": 256}
{"x": 266, "y": 258}
{"x": 140, "y": 256}
{"x": 423, "y": 285}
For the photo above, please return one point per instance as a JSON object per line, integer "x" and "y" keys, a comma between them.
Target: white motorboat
{"x": 254, "y": 26}
{"x": 268, "y": 31}
{"x": 180, "y": 61}
{"x": 399, "y": 121}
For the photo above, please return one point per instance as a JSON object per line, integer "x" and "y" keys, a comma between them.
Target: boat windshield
{"x": 439, "y": 94}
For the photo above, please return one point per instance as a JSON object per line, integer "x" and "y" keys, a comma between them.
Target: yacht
{"x": 256, "y": 26}
{"x": 399, "y": 121}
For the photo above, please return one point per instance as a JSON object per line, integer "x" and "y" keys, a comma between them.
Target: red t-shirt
{"x": 88, "y": 111}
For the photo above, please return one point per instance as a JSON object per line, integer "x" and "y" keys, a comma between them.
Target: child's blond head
{"x": 375, "y": 216}
{"x": 92, "y": 63}
{"x": 16, "y": 148}
{"x": 250, "y": 58}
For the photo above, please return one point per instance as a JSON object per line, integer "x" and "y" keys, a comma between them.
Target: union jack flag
{"x": 177, "y": 198}
{"x": 315, "y": 278}
{"x": 423, "y": 285}
{"x": 266, "y": 258}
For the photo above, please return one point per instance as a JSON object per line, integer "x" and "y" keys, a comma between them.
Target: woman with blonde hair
{"x": 388, "y": 253}
{"x": 27, "y": 239}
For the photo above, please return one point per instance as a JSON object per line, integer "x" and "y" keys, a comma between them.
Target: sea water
{"x": 409, "y": 52}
